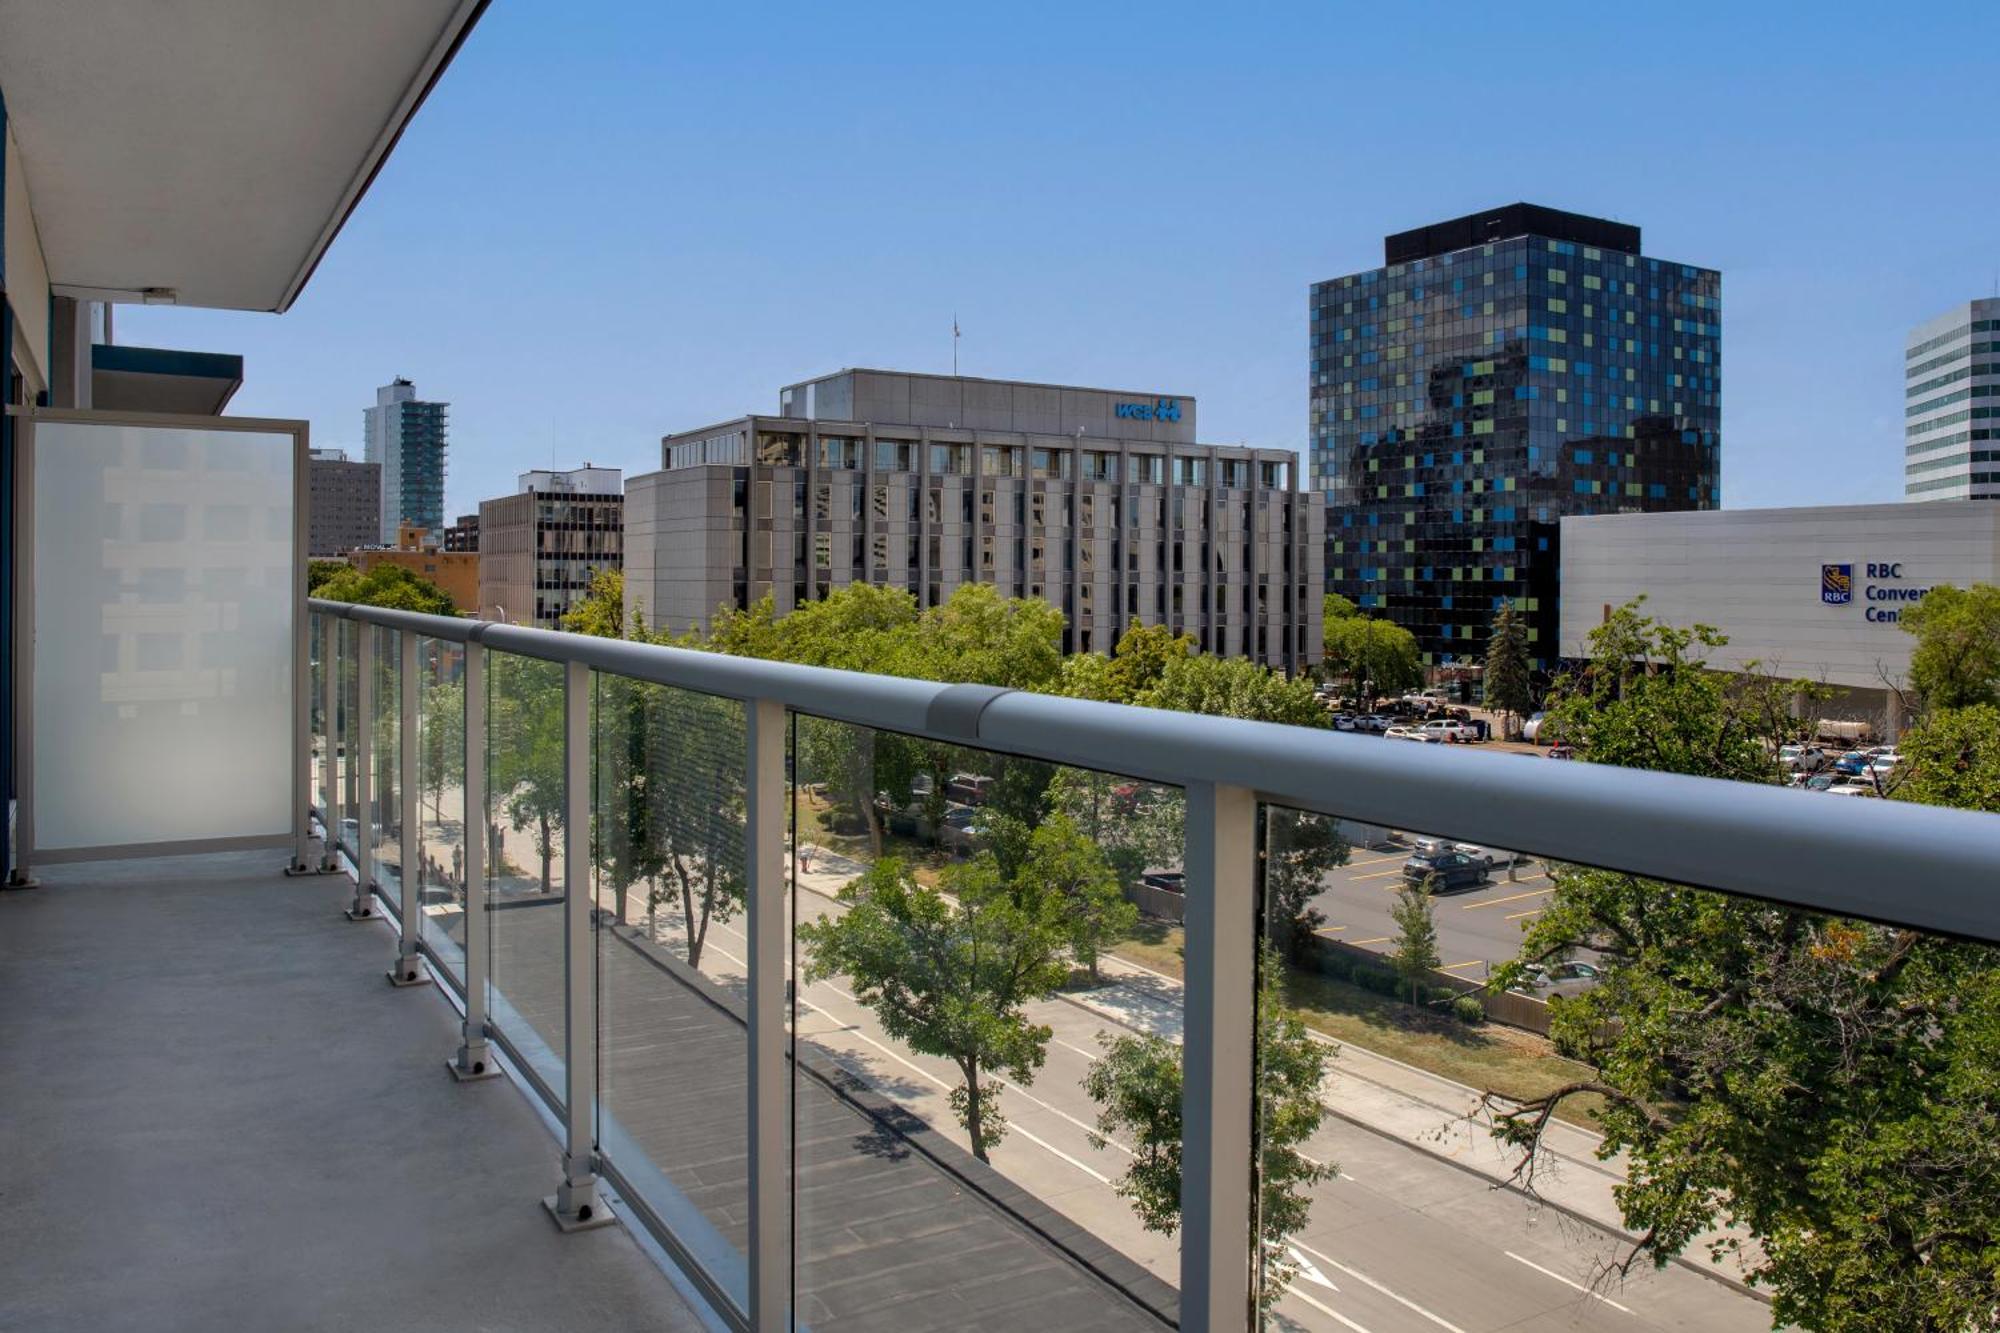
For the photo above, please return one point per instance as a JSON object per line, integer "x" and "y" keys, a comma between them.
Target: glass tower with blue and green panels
{"x": 1499, "y": 372}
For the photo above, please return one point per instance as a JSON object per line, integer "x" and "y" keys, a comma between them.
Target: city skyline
{"x": 1171, "y": 244}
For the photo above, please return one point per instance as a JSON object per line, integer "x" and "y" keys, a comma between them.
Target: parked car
{"x": 1486, "y": 856}
{"x": 1561, "y": 751}
{"x": 1444, "y": 872}
{"x": 1345, "y": 722}
{"x": 1168, "y": 881}
{"x": 1565, "y": 978}
{"x": 1410, "y": 733}
{"x": 1803, "y": 758}
{"x": 1884, "y": 762}
{"x": 1490, "y": 857}
{"x": 1451, "y": 730}
{"x": 1377, "y": 723}
{"x": 971, "y": 788}
{"x": 961, "y": 827}
{"x": 1532, "y": 730}
{"x": 1853, "y": 763}
{"x": 1846, "y": 785}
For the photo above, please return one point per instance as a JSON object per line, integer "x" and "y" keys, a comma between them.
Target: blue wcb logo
{"x": 1166, "y": 409}
{"x": 1836, "y": 584}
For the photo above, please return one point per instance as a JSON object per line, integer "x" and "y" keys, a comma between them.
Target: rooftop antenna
{"x": 954, "y": 344}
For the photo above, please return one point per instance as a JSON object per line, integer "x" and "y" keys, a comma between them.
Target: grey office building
{"x": 346, "y": 501}
{"x": 1951, "y": 405}
{"x": 1098, "y": 500}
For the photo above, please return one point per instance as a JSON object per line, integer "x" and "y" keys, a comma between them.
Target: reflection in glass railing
{"x": 966, "y": 944}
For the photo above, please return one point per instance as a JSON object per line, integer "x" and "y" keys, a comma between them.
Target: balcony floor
{"x": 215, "y": 1112}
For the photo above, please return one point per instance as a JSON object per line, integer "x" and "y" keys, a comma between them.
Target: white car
{"x": 1884, "y": 763}
{"x": 1532, "y": 730}
{"x": 1450, "y": 731}
{"x": 1409, "y": 734}
{"x": 1851, "y": 786}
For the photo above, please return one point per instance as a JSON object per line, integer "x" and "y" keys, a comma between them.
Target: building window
{"x": 778, "y": 450}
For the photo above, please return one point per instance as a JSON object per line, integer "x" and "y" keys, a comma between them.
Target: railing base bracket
{"x": 473, "y": 1069}
{"x": 409, "y": 971}
{"x": 359, "y": 913}
{"x": 17, "y": 880}
{"x": 588, "y": 1214}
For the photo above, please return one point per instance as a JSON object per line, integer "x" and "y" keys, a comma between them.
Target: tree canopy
{"x": 1957, "y": 658}
{"x": 1830, "y": 1086}
{"x": 386, "y": 585}
{"x": 1379, "y": 656}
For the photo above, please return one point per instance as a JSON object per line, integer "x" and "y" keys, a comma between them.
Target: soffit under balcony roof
{"x": 212, "y": 148}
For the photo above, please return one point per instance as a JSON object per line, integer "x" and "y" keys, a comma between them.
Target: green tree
{"x": 1416, "y": 948}
{"x": 1300, "y": 849}
{"x": 1831, "y": 1087}
{"x": 1953, "y": 758}
{"x": 1957, "y": 658}
{"x": 387, "y": 585}
{"x": 525, "y": 774}
{"x": 1058, "y": 861}
{"x": 1137, "y": 1084}
{"x": 1235, "y": 687}
{"x": 695, "y": 807}
{"x": 1509, "y": 682}
{"x": 601, "y": 609}
{"x": 949, "y": 972}
{"x": 319, "y": 571}
{"x": 1378, "y": 656}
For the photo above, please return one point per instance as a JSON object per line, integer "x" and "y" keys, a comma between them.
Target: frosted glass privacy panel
{"x": 163, "y": 606}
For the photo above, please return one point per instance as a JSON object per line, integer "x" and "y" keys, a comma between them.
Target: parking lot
{"x": 1478, "y": 929}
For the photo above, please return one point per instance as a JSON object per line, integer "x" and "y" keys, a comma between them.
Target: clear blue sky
{"x": 617, "y": 220}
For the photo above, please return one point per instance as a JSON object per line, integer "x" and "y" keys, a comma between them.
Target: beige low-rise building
{"x": 1099, "y": 501}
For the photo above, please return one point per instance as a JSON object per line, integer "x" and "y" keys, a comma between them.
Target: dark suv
{"x": 1444, "y": 872}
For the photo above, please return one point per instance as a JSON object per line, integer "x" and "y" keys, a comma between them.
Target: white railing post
{"x": 473, "y": 1061}
{"x": 408, "y": 969}
{"x": 769, "y": 1106}
{"x": 360, "y": 771}
{"x": 329, "y": 695}
{"x": 575, "y": 1205}
{"x": 302, "y": 765}
{"x": 1217, "y": 1243}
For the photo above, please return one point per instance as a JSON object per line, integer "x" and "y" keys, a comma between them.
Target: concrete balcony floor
{"x": 215, "y": 1112}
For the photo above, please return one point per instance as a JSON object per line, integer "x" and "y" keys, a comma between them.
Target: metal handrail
{"x": 1914, "y": 866}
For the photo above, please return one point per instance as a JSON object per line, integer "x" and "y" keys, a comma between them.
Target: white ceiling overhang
{"x": 210, "y": 148}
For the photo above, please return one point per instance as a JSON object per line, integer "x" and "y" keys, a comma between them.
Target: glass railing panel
{"x": 1570, "y": 1081}
{"x": 526, "y": 845}
{"x": 967, "y": 953}
{"x": 441, "y": 799}
{"x": 347, "y": 703}
{"x": 668, "y": 874}
{"x": 385, "y": 759}
{"x": 316, "y": 719}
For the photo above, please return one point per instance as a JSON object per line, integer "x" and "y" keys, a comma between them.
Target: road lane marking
{"x": 925, "y": 1073}
{"x": 1453, "y": 967}
{"x": 1328, "y": 930}
{"x": 1379, "y": 939}
{"x": 1367, "y": 1281}
{"x": 1516, "y": 916}
{"x": 1378, "y": 874}
{"x": 1328, "y": 1311}
{"x": 1594, "y": 1295}
{"x": 1510, "y": 898}
{"x": 1376, "y": 861}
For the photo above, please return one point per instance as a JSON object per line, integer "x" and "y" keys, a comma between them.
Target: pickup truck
{"x": 1450, "y": 729}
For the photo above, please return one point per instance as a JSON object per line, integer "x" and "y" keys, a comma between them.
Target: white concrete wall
{"x": 1755, "y": 575}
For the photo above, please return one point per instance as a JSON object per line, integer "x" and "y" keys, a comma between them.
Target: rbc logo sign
{"x": 1836, "y": 584}
{"x": 1166, "y": 409}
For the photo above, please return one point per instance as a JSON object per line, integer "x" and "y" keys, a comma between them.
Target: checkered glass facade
{"x": 1464, "y": 403}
